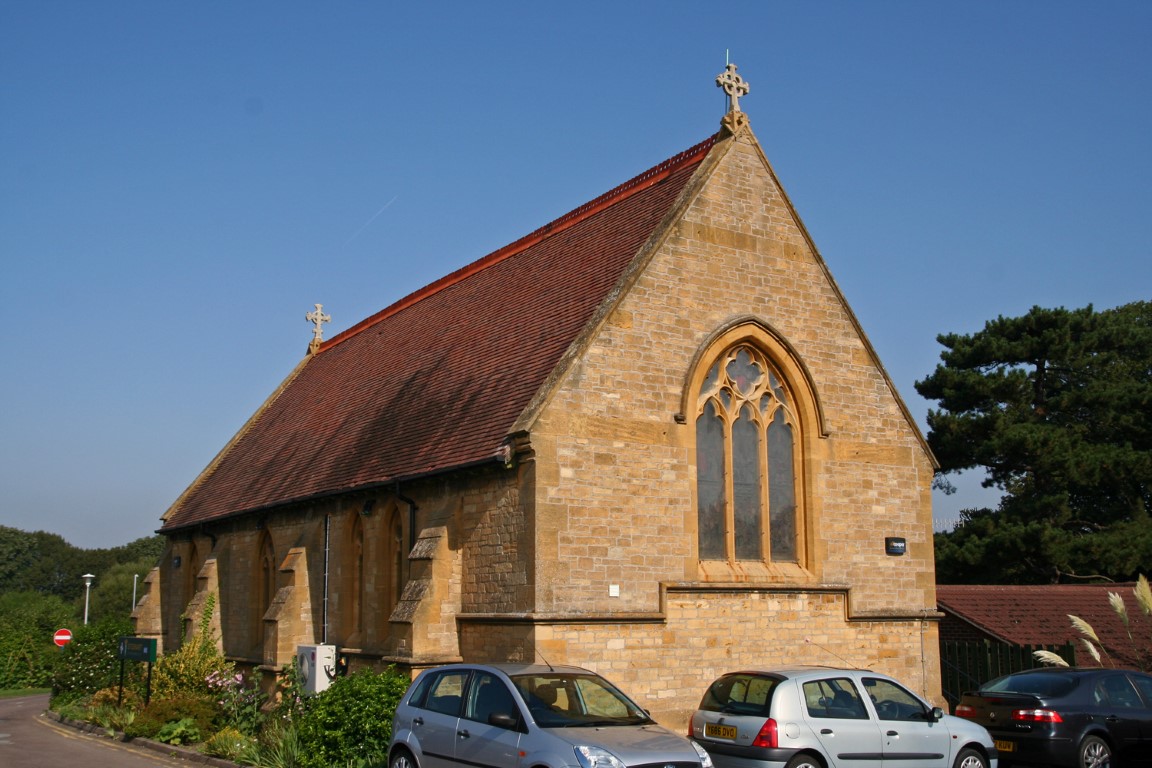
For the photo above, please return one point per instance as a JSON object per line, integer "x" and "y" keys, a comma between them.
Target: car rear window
{"x": 1043, "y": 684}
{"x": 740, "y": 694}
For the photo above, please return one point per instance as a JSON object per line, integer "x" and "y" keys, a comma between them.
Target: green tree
{"x": 41, "y": 590}
{"x": 1056, "y": 407}
{"x": 112, "y": 591}
{"x": 44, "y": 562}
{"x": 146, "y": 548}
{"x": 27, "y": 622}
{"x": 41, "y": 562}
{"x": 16, "y": 553}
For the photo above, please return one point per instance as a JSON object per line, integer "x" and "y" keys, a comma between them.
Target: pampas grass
{"x": 1049, "y": 658}
{"x": 1143, "y": 595}
{"x": 1092, "y": 643}
{"x": 1083, "y": 628}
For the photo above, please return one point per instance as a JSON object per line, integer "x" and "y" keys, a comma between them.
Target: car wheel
{"x": 970, "y": 758}
{"x": 1095, "y": 753}
{"x": 401, "y": 758}
{"x": 804, "y": 761}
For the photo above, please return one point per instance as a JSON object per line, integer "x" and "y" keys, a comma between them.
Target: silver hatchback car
{"x": 820, "y": 717}
{"x": 530, "y": 715}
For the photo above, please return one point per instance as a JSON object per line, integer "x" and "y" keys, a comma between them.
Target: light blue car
{"x": 529, "y": 716}
{"x": 821, "y": 717}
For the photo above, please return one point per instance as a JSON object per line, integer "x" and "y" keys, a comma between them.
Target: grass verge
{"x": 9, "y": 693}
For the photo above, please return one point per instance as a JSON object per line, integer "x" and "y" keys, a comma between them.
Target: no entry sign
{"x": 62, "y": 637}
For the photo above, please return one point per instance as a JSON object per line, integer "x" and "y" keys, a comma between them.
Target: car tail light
{"x": 767, "y": 735}
{"x": 965, "y": 710}
{"x": 1036, "y": 716}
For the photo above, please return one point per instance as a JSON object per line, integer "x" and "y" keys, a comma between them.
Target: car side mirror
{"x": 937, "y": 714}
{"x": 501, "y": 720}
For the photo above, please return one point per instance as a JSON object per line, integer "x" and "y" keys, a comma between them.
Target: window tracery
{"x": 746, "y": 461}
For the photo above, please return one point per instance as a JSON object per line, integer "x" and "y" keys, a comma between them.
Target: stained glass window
{"x": 745, "y": 461}
{"x": 710, "y": 497}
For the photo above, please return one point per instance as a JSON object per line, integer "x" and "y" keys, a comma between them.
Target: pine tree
{"x": 1056, "y": 407}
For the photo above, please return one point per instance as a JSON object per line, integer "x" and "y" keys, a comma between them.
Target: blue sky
{"x": 181, "y": 182}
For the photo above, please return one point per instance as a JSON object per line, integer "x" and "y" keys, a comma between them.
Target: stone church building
{"x": 649, "y": 438}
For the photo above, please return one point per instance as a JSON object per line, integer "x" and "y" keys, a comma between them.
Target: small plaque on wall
{"x": 895, "y": 545}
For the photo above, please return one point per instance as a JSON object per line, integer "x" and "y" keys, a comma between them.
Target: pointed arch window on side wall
{"x": 746, "y": 461}
{"x": 192, "y": 571}
{"x": 266, "y": 582}
{"x": 396, "y": 556}
{"x": 356, "y": 592}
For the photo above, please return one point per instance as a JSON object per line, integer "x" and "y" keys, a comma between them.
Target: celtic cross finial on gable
{"x": 733, "y": 85}
{"x": 316, "y": 318}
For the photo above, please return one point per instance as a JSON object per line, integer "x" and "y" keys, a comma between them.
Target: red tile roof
{"x": 1038, "y": 615}
{"x": 436, "y": 381}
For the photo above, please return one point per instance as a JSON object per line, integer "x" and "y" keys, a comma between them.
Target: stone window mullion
{"x": 729, "y": 491}
{"x": 765, "y": 491}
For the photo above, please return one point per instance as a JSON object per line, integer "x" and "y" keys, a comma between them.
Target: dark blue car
{"x": 1066, "y": 717}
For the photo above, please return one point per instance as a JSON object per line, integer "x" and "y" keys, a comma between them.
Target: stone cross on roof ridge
{"x": 733, "y": 85}
{"x": 316, "y": 318}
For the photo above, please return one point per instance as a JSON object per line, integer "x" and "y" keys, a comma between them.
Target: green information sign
{"x": 138, "y": 649}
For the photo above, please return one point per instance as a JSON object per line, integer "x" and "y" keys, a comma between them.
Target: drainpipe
{"x": 327, "y": 530}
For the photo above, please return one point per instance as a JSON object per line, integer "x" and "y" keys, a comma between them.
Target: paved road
{"x": 28, "y": 739}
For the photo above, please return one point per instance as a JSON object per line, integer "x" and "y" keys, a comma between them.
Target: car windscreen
{"x": 1044, "y": 684}
{"x": 558, "y": 700}
{"x": 740, "y": 694}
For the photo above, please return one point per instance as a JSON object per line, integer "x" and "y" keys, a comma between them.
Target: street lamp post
{"x": 87, "y": 589}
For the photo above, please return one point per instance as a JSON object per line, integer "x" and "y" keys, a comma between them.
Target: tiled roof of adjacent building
{"x": 437, "y": 380}
{"x": 1038, "y": 615}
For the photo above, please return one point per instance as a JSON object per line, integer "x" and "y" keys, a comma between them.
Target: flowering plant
{"x": 241, "y": 703}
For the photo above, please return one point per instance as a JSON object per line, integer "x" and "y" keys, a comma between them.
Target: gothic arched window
{"x": 356, "y": 591}
{"x": 395, "y": 560}
{"x": 192, "y": 570}
{"x": 747, "y": 461}
{"x": 266, "y": 578}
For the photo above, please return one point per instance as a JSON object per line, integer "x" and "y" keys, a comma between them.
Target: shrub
{"x": 112, "y": 718}
{"x": 351, "y": 722}
{"x": 90, "y": 662}
{"x": 199, "y": 708}
{"x": 227, "y": 743}
{"x": 189, "y": 668}
{"x": 279, "y": 747}
{"x": 183, "y": 731}
{"x": 75, "y": 708}
{"x": 112, "y": 697}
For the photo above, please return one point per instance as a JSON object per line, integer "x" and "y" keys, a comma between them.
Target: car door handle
{"x": 825, "y": 731}
{"x": 463, "y": 734}
{"x": 417, "y": 721}
{"x": 893, "y": 733}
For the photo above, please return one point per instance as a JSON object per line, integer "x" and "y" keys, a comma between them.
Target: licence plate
{"x": 1005, "y": 746}
{"x": 720, "y": 731}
